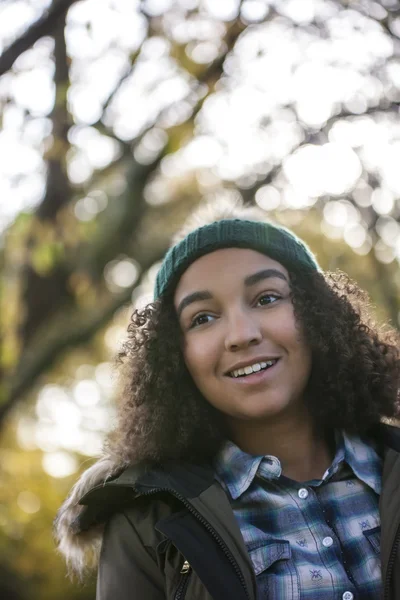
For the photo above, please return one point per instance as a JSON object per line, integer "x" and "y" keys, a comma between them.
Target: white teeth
{"x": 252, "y": 368}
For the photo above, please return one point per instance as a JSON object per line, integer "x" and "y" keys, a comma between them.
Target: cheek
{"x": 291, "y": 337}
{"x": 302, "y": 352}
{"x": 198, "y": 356}
{"x": 305, "y": 363}
{"x": 290, "y": 333}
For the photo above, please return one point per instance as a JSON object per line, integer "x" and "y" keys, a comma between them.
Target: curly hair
{"x": 354, "y": 380}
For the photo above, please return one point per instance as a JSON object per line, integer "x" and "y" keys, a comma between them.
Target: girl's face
{"x": 235, "y": 311}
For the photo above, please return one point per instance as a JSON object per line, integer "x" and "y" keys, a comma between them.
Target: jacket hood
{"x": 81, "y": 547}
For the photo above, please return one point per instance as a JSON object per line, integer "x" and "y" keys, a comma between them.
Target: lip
{"x": 257, "y": 378}
{"x": 241, "y": 365}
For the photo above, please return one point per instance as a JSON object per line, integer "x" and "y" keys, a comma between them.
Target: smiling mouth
{"x": 265, "y": 366}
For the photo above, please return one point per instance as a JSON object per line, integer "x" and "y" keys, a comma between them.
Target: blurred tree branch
{"x": 64, "y": 334}
{"x": 43, "y": 26}
{"x": 44, "y": 293}
{"x": 73, "y": 327}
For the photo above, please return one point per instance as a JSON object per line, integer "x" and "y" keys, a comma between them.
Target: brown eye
{"x": 199, "y": 320}
{"x": 266, "y": 299}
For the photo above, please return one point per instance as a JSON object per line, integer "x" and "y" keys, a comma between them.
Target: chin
{"x": 260, "y": 412}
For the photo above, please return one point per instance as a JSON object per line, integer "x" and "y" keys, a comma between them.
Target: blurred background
{"x": 118, "y": 118}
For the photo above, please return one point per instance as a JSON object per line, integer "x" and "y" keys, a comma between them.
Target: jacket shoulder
{"x": 78, "y": 526}
{"x": 77, "y": 548}
{"x": 112, "y": 495}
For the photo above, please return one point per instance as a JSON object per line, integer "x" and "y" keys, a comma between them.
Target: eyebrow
{"x": 248, "y": 282}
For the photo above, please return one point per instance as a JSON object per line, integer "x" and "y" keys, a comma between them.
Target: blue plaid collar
{"x": 364, "y": 461}
{"x": 237, "y": 469}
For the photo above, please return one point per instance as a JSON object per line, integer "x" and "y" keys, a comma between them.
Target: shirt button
{"x": 327, "y": 542}
{"x": 348, "y": 596}
{"x": 303, "y": 493}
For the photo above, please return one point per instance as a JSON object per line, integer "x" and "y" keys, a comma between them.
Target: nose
{"x": 243, "y": 330}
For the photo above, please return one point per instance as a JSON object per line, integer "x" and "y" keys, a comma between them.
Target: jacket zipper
{"x": 209, "y": 528}
{"x": 392, "y": 557}
{"x": 184, "y": 581}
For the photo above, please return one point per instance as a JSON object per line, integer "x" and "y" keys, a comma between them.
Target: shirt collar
{"x": 236, "y": 469}
{"x": 363, "y": 460}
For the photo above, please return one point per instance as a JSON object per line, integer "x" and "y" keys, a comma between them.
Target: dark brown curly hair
{"x": 354, "y": 380}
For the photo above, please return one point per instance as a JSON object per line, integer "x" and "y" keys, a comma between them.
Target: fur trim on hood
{"x": 81, "y": 548}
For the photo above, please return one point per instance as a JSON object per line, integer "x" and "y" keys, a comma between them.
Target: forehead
{"x": 221, "y": 266}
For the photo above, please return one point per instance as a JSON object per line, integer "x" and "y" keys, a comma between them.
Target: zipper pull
{"x": 185, "y": 568}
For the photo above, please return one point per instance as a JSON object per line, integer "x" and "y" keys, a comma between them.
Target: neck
{"x": 303, "y": 453}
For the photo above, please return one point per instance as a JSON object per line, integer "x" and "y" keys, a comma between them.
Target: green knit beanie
{"x": 275, "y": 241}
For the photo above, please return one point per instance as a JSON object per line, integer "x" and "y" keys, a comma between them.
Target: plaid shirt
{"x": 316, "y": 540}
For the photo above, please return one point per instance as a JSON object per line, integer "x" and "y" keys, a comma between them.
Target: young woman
{"x": 250, "y": 459}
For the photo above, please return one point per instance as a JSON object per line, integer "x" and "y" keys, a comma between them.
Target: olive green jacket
{"x": 171, "y": 533}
